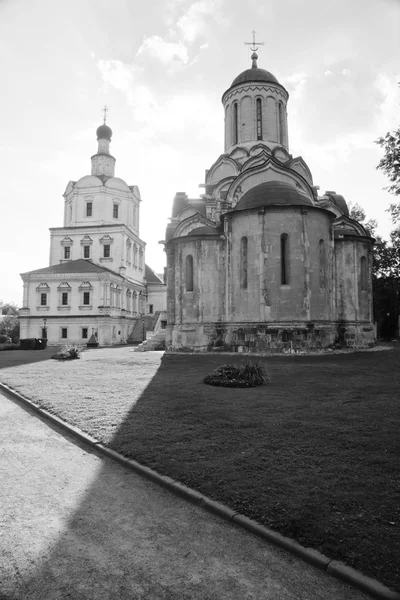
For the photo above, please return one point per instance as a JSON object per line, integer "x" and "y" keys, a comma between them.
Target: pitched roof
{"x": 80, "y": 265}
{"x": 151, "y": 276}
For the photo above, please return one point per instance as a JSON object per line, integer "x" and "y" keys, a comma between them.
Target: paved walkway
{"x": 76, "y": 525}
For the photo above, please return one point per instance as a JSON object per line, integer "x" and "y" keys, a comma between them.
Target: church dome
{"x": 255, "y": 74}
{"x": 273, "y": 193}
{"x": 104, "y": 132}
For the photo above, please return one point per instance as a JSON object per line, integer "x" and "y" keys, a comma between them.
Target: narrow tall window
{"x": 115, "y": 211}
{"x": 89, "y": 209}
{"x": 106, "y": 250}
{"x": 64, "y": 299}
{"x": 86, "y": 251}
{"x": 67, "y": 252}
{"x": 84, "y": 332}
{"x": 364, "y": 274}
{"x": 64, "y": 332}
{"x": 322, "y": 263}
{"x": 259, "y": 118}
{"x": 281, "y": 123}
{"x": 235, "y": 123}
{"x": 284, "y": 259}
{"x": 86, "y": 298}
{"x": 243, "y": 262}
{"x": 43, "y": 299}
{"x": 189, "y": 273}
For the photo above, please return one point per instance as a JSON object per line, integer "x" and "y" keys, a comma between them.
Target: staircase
{"x": 155, "y": 341}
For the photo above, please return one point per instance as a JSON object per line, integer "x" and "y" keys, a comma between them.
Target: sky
{"x": 161, "y": 67}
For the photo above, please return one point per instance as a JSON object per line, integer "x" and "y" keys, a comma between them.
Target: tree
{"x": 9, "y": 324}
{"x": 390, "y": 163}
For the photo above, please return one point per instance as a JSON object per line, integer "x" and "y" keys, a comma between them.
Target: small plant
{"x": 69, "y": 352}
{"x": 247, "y": 374}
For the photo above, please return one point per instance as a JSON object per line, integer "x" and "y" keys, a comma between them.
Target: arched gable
{"x": 239, "y": 153}
{"x": 345, "y": 226}
{"x": 221, "y": 186}
{"x": 281, "y": 154}
{"x": 262, "y": 169}
{"x": 259, "y": 148}
{"x": 301, "y": 167}
{"x": 192, "y": 223}
{"x": 222, "y": 168}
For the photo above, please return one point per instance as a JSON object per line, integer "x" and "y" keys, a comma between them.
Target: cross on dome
{"x": 105, "y": 110}
{"x": 254, "y": 47}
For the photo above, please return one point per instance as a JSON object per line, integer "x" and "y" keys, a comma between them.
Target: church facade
{"x": 261, "y": 262}
{"x": 97, "y": 282}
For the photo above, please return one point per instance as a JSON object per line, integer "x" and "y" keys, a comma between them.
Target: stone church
{"x": 97, "y": 283}
{"x": 261, "y": 262}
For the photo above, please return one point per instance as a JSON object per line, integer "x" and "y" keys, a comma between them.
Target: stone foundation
{"x": 268, "y": 338}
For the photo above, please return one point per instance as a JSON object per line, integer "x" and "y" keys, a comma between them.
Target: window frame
{"x": 64, "y": 337}
{"x": 189, "y": 273}
{"x": 106, "y": 250}
{"x": 115, "y": 210}
{"x": 89, "y": 209}
{"x": 67, "y": 252}
{"x": 284, "y": 259}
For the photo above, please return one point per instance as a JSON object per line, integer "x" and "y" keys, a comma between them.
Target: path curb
{"x": 333, "y": 567}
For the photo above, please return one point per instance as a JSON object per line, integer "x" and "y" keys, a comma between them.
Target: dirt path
{"x": 76, "y": 525}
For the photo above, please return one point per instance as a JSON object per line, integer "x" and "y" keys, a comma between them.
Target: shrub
{"x": 69, "y": 352}
{"x": 5, "y": 339}
{"x": 9, "y": 347}
{"x": 246, "y": 374}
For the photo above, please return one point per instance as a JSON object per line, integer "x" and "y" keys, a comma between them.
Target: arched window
{"x": 189, "y": 273}
{"x": 259, "y": 118}
{"x": 364, "y": 274}
{"x": 235, "y": 123}
{"x": 243, "y": 263}
{"x": 284, "y": 259}
{"x": 322, "y": 264}
{"x": 281, "y": 123}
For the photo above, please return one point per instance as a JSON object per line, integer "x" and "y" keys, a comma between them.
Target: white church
{"x": 97, "y": 283}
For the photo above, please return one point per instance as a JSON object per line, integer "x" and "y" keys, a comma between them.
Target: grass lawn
{"x": 313, "y": 455}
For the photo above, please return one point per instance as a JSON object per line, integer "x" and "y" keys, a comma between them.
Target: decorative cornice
{"x": 280, "y": 91}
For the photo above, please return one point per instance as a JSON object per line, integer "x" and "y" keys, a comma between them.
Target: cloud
{"x": 164, "y": 51}
{"x": 194, "y": 22}
{"x": 119, "y": 75}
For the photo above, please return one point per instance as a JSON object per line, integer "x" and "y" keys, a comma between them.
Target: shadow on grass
{"x": 312, "y": 455}
{"x": 16, "y": 358}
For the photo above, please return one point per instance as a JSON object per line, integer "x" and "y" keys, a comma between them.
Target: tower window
{"x": 86, "y": 251}
{"x": 284, "y": 259}
{"x": 259, "y": 118}
{"x": 235, "y": 123}
{"x": 281, "y": 123}
{"x": 106, "y": 250}
{"x": 89, "y": 209}
{"x": 364, "y": 274}
{"x": 243, "y": 263}
{"x": 43, "y": 299}
{"x": 67, "y": 252}
{"x": 115, "y": 211}
{"x": 189, "y": 273}
{"x": 86, "y": 298}
{"x": 322, "y": 263}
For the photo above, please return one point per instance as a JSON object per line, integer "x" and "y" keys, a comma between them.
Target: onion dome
{"x": 273, "y": 193}
{"x": 104, "y": 132}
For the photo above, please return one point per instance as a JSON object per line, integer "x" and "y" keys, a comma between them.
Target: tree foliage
{"x": 390, "y": 163}
{"x": 9, "y": 323}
